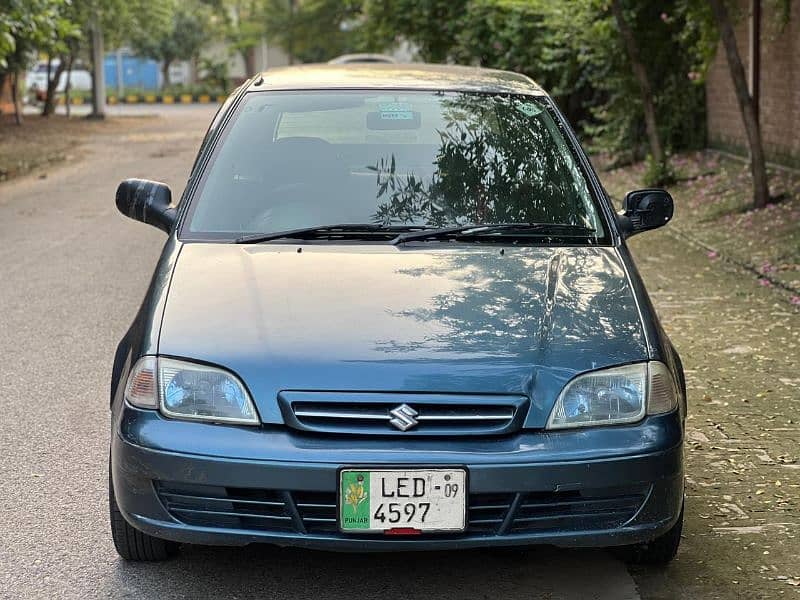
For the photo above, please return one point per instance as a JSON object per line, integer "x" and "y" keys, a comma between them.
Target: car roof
{"x": 414, "y": 76}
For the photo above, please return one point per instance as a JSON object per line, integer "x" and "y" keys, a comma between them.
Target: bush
{"x": 668, "y": 46}
{"x": 658, "y": 174}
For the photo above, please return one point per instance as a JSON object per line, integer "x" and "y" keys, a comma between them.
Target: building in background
{"x": 123, "y": 69}
{"x": 266, "y": 56}
{"x": 770, "y": 50}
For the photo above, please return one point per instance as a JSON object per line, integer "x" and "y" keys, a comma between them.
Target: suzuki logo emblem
{"x": 404, "y": 417}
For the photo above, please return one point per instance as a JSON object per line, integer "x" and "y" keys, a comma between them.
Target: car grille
{"x": 317, "y": 511}
{"x": 314, "y": 513}
{"x": 230, "y": 508}
{"x": 572, "y": 511}
{"x": 403, "y": 414}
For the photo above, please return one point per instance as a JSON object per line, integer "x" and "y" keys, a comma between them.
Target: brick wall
{"x": 780, "y": 89}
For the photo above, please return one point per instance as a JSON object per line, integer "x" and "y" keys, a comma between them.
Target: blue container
{"x": 137, "y": 72}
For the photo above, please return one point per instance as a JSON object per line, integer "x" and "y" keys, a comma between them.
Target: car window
{"x": 347, "y": 125}
{"x": 215, "y": 123}
{"x": 290, "y": 160}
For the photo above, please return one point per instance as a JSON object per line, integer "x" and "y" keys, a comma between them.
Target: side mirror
{"x": 643, "y": 210}
{"x": 148, "y": 202}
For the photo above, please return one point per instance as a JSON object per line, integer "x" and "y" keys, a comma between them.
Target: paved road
{"x": 72, "y": 273}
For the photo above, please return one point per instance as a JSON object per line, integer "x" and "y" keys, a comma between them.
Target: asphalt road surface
{"x": 72, "y": 273}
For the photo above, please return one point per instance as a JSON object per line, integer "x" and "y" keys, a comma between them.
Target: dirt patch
{"x": 39, "y": 143}
{"x": 712, "y": 210}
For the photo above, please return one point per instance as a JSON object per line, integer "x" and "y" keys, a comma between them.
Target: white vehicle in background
{"x": 347, "y": 59}
{"x": 36, "y": 79}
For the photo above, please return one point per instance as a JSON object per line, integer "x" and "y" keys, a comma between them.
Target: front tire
{"x": 132, "y": 544}
{"x": 659, "y": 551}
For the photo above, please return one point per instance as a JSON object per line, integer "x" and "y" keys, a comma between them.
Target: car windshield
{"x": 391, "y": 158}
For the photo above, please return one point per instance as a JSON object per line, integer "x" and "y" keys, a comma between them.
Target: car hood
{"x": 383, "y": 318}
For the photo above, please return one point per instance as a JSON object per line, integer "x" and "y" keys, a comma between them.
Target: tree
{"x": 25, "y": 25}
{"x": 524, "y": 36}
{"x": 315, "y": 30}
{"x": 758, "y": 166}
{"x": 640, "y": 71}
{"x": 112, "y": 21}
{"x": 62, "y": 44}
{"x": 592, "y": 53}
{"x": 432, "y": 25}
{"x": 188, "y": 31}
{"x": 245, "y": 29}
{"x": 7, "y": 40}
{"x": 98, "y": 68}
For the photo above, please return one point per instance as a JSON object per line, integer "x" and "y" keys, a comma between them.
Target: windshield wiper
{"x": 340, "y": 228}
{"x": 473, "y": 229}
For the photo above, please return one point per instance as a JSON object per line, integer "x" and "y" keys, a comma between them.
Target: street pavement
{"x": 72, "y": 274}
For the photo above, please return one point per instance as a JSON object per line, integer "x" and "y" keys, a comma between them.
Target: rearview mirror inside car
{"x": 147, "y": 201}
{"x": 643, "y": 210}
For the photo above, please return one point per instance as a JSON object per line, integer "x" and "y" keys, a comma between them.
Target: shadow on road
{"x": 275, "y": 573}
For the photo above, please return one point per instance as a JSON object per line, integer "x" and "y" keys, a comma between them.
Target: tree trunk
{"x": 52, "y": 87}
{"x": 757, "y": 162}
{"x": 3, "y": 76}
{"x": 15, "y": 98}
{"x": 120, "y": 73}
{"x": 165, "y": 74}
{"x": 98, "y": 73}
{"x": 640, "y": 72}
{"x": 290, "y": 41}
{"x": 49, "y": 73}
{"x": 249, "y": 57}
{"x": 68, "y": 85}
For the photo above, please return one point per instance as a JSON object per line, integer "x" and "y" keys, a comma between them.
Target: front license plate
{"x": 402, "y": 501}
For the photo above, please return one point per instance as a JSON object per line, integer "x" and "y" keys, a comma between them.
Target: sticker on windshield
{"x": 395, "y": 111}
{"x": 530, "y": 109}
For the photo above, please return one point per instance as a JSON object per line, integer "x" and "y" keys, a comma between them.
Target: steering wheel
{"x": 286, "y": 201}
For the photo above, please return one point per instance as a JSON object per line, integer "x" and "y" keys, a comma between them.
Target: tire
{"x": 659, "y": 551}
{"x": 132, "y": 544}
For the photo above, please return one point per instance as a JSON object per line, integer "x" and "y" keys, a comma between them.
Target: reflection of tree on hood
{"x": 520, "y": 304}
{"x": 500, "y": 160}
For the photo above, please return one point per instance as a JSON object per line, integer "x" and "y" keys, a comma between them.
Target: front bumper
{"x": 236, "y": 485}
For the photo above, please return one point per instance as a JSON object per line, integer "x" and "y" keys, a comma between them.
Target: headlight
{"x": 614, "y": 396}
{"x": 185, "y": 390}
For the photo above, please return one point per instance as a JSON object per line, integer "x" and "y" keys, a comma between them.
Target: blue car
{"x": 395, "y": 311}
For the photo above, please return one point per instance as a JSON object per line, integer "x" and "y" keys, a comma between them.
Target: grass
{"x": 713, "y": 199}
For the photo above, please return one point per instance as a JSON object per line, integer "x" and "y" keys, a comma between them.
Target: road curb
{"x": 151, "y": 99}
{"x": 166, "y": 99}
